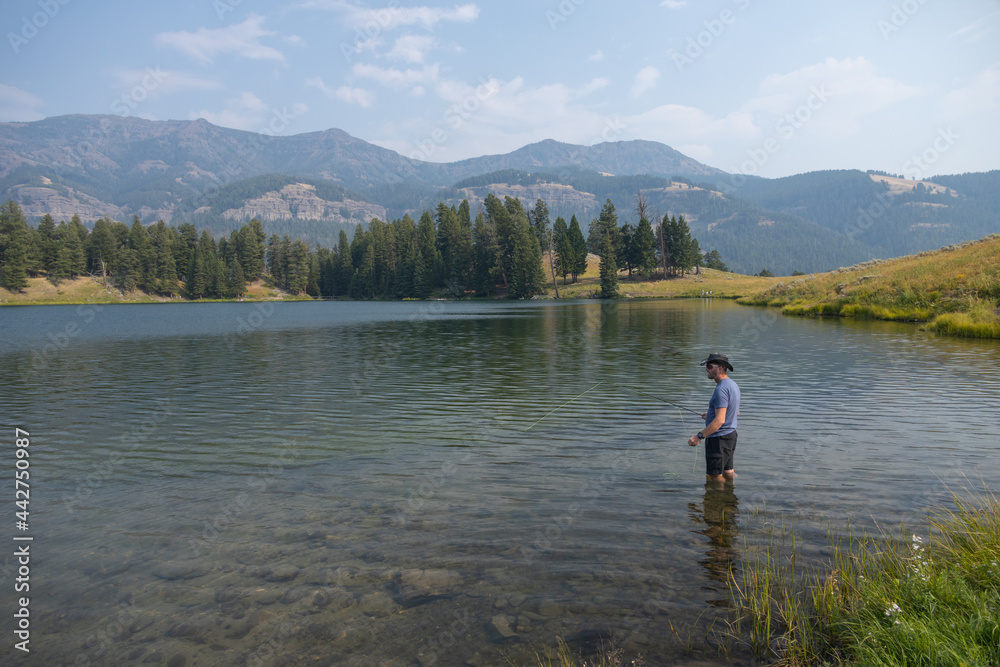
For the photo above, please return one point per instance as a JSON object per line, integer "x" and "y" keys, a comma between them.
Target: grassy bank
{"x": 929, "y": 600}
{"x": 41, "y": 292}
{"x": 955, "y": 289}
{"x": 720, "y": 283}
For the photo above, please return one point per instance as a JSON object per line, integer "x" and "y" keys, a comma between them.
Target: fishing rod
{"x": 662, "y": 400}
{"x": 612, "y": 384}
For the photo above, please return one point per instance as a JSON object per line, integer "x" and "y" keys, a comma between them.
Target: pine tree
{"x": 525, "y": 273}
{"x": 102, "y": 249}
{"x": 626, "y": 250}
{"x": 256, "y": 246}
{"x": 13, "y": 247}
{"x": 79, "y": 249}
{"x": 540, "y": 223}
{"x": 165, "y": 281}
{"x": 138, "y": 241}
{"x": 713, "y": 260}
{"x": 184, "y": 247}
{"x": 485, "y": 252}
{"x": 644, "y": 248}
{"x": 462, "y": 250}
{"x": 345, "y": 265}
{"x": 298, "y": 267}
{"x": 312, "y": 283}
{"x": 70, "y": 252}
{"x": 49, "y": 243}
{"x": 196, "y": 284}
{"x": 609, "y": 270}
{"x": 237, "y": 280}
{"x": 579, "y": 245}
{"x": 563, "y": 248}
{"x": 427, "y": 246}
{"x": 607, "y": 231}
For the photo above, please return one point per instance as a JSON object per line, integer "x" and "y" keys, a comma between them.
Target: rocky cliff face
{"x": 555, "y": 195}
{"x": 63, "y": 203}
{"x": 299, "y": 201}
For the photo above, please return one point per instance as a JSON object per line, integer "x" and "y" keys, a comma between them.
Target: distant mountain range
{"x": 313, "y": 185}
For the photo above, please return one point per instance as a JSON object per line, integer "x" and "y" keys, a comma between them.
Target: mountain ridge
{"x": 213, "y": 176}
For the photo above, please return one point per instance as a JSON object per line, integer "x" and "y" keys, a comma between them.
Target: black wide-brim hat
{"x": 716, "y": 358}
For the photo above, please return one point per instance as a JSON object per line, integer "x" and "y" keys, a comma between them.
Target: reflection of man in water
{"x": 719, "y": 513}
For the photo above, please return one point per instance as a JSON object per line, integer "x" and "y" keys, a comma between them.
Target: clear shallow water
{"x": 454, "y": 483}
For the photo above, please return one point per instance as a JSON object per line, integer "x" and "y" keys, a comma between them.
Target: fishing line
{"x": 564, "y": 405}
{"x": 662, "y": 400}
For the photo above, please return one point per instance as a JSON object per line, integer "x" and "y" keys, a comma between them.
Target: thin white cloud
{"x": 397, "y": 78}
{"x": 594, "y": 85}
{"x": 981, "y": 95}
{"x": 495, "y": 116}
{"x": 677, "y": 124}
{"x": 412, "y": 48}
{"x": 977, "y": 29}
{"x": 360, "y": 96}
{"x": 672, "y": 4}
{"x": 833, "y": 95}
{"x": 388, "y": 18}
{"x": 242, "y": 39}
{"x": 596, "y": 57}
{"x": 158, "y": 82}
{"x": 249, "y": 112}
{"x": 645, "y": 79}
{"x": 18, "y": 105}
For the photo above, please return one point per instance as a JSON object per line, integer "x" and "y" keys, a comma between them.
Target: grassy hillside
{"x": 956, "y": 289}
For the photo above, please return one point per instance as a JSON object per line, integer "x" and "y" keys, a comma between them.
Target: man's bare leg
{"x": 729, "y": 474}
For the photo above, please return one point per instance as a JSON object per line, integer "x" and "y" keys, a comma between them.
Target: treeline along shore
{"x": 446, "y": 253}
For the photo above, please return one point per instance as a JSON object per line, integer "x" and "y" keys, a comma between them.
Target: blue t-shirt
{"x": 726, "y": 395}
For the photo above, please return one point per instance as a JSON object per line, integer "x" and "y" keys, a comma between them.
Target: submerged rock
{"x": 415, "y": 587}
{"x": 500, "y": 624}
{"x": 281, "y": 573}
{"x": 176, "y": 569}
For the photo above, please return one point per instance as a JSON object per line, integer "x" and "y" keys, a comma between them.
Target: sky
{"x": 909, "y": 87}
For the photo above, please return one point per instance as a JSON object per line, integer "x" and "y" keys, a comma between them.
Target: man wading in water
{"x": 719, "y": 433}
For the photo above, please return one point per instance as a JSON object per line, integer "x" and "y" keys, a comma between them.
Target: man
{"x": 719, "y": 433}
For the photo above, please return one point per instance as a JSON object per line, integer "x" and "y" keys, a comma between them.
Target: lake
{"x": 450, "y": 483}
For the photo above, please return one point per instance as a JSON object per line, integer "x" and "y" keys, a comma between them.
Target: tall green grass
{"x": 931, "y": 600}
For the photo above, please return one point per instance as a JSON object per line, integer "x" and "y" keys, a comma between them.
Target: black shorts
{"x": 719, "y": 453}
